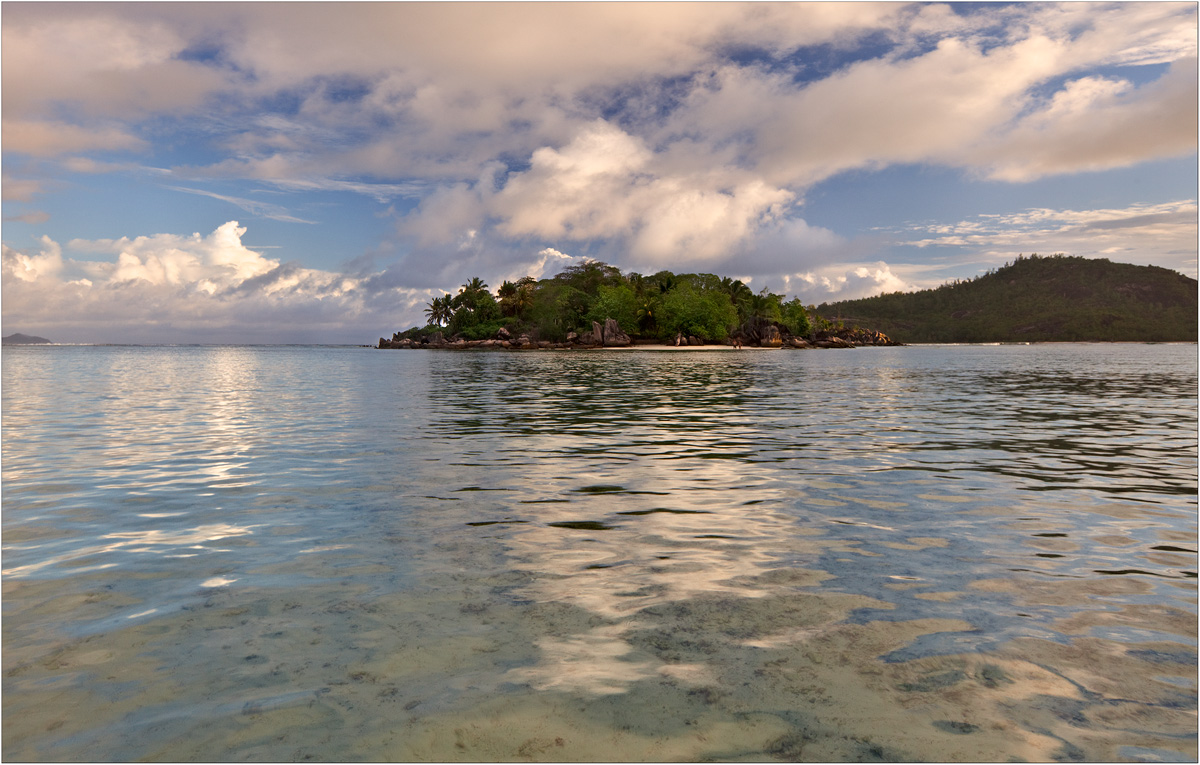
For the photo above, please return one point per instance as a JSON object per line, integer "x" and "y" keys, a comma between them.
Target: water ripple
{"x": 343, "y": 553}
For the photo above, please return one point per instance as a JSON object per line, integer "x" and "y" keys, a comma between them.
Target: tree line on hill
{"x": 1037, "y": 298}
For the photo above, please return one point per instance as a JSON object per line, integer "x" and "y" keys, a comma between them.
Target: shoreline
{"x": 494, "y": 345}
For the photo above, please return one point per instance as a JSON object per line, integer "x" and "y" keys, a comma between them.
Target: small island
{"x": 594, "y": 305}
{"x": 18, "y": 339}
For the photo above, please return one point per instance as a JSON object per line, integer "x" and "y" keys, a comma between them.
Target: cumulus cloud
{"x": 550, "y": 262}
{"x": 833, "y": 283}
{"x": 1096, "y": 123}
{"x": 581, "y": 191}
{"x": 47, "y": 263}
{"x": 602, "y": 185}
{"x": 608, "y": 185}
{"x": 171, "y": 288}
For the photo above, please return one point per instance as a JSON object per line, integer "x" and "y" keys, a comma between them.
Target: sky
{"x": 317, "y": 172}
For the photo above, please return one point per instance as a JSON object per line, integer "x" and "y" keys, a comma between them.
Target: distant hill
{"x": 19, "y": 339}
{"x": 1056, "y": 298}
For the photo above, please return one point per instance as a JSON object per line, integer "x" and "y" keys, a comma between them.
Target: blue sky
{"x": 312, "y": 172}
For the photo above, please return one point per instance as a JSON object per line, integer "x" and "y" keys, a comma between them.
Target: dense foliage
{"x": 1036, "y": 299}
{"x": 660, "y": 307}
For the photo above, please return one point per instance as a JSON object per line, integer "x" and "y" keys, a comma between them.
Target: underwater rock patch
{"x": 953, "y": 726}
{"x": 934, "y": 682}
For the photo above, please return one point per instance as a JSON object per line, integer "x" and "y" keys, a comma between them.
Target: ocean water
{"x": 953, "y": 553}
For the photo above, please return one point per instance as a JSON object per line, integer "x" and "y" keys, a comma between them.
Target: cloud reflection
{"x": 652, "y": 518}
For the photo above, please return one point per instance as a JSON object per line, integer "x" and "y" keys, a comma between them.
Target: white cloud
{"x": 33, "y": 217}
{"x": 550, "y": 262}
{"x": 1160, "y": 234}
{"x": 1096, "y": 123}
{"x": 47, "y": 139}
{"x": 219, "y": 258}
{"x": 171, "y": 288}
{"x": 104, "y": 61}
{"x": 606, "y": 184}
{"x": 252, "y": 206}
{"x": 19, "y": 189}
{"x": 583, "y": 191}
{"x": 381, "y": 192}
{"x": 46, "y": 264}
{"x": 842, "y": 282}
{"x": 449, "y": 91}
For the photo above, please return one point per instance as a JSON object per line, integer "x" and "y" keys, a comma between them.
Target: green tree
{"x": 619, "y": 303}
{"x": 664, "y": 280}
{"x": 522, "y": 301}
{"x": 795, "y": 318}
{"x": 689, "y": 311}
{"x": 473, "y": 306}
{"x": 739, "y": 294}
{"x": 762, "y": 308}
{"x": 471, "y": 293}
{"x": 558, "y": 308}
{"x": 439, "y": 310}
{"x": 506, "y": 293}
{"x": 647, "y": 313}
{"x": 589, "y": 276}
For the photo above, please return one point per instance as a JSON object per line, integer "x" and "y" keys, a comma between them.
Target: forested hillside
{"x": 1064, "y": 298}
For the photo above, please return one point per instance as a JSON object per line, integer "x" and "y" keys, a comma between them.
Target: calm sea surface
{"x": 295, "y": 553}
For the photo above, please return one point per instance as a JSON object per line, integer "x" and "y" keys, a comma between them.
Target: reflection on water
{"x": 312, "y": 553}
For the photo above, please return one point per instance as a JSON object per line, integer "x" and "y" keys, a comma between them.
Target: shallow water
{"x": 285, "y": 553}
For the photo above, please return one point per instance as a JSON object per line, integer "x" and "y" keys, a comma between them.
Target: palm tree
{"x": 439, "y": 310}
{"x": 523, "y": 299}
{"x": 468, "y": 294}
{"x": 508, "y": 298}
{"x": 475, "y": 286}
{"x": 762, "y": 308}
{"x": 647, "y": 308}
{"x": 739, "y": 294}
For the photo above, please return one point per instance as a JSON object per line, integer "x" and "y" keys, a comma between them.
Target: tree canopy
{"x": 660, "y": 307}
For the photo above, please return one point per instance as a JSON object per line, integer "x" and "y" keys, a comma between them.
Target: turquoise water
{"x": 312, "y": 553}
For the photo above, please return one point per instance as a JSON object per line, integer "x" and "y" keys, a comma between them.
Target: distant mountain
{"x": 19, "y": 339}
{"x": 1056, "y": 298}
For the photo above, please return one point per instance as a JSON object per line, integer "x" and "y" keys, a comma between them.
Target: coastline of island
{"x": 19, "y": 339}
{"x": 609, "y": 336}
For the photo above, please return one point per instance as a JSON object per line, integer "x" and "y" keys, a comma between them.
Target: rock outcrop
{"x": 834, "y": 342}
{"x": 850, "y": 337}
{"x": 610, "y": 335}
{"x": 770, "y": 337}
{"x": 613, "y": 336}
